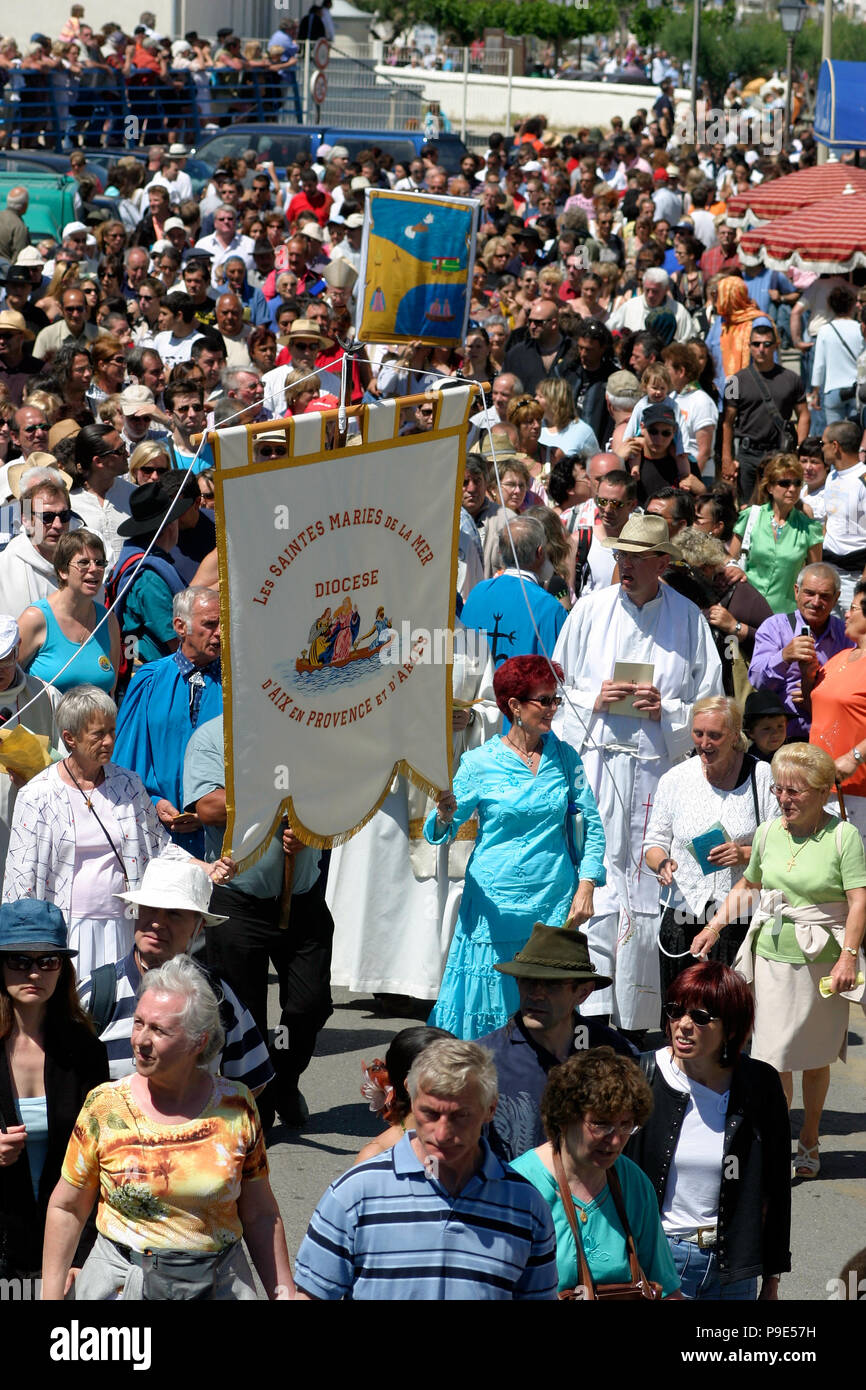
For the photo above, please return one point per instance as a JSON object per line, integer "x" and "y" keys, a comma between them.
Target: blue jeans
{"x": 836, "y": 410}
{"x": 699, "y": 1275}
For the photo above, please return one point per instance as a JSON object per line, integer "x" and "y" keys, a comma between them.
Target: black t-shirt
{"x": 755, "y": 420}
{"x": 656, "y": 474}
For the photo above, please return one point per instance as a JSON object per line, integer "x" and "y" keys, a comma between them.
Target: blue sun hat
{"x": 33, "y": 926}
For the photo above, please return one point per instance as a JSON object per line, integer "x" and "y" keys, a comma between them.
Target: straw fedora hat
{"x": 643, "y": 533}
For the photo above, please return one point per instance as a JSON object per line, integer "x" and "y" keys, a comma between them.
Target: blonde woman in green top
{"x": 774, "y": 539}
{"x": 811, "y": 870}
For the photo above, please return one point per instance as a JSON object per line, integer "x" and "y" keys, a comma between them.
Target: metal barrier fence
{"x": 361, "y": 95}
{"x": 55, "y": 110}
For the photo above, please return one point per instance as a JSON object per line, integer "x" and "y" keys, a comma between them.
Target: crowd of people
{"x": 659, "y": 737}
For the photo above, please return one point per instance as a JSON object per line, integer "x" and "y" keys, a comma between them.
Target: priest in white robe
{"x": 639, "y": 621}
{"x": 394, "y": 897}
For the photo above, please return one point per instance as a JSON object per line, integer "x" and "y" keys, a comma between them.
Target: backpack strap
{"x": 103, "y": 995}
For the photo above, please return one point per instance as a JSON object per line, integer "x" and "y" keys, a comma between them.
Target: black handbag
{"x": 846, "y": 393}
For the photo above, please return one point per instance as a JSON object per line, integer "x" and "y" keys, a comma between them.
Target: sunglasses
{"x": 23, "y": 965}
{"x": 785, "y": 482}
{"x": 48, "y": 518}
{"x": 546, "y": 701}
{"x": 34, "y": 429}
{"x": 150, "y": 470}
{"x": 700, "y": 1017}
{"x": 608, "y": 504}
{"x": 661, "y": 434}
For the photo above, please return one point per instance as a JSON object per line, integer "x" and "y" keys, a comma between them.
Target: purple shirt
{"x": 769, "y": 672}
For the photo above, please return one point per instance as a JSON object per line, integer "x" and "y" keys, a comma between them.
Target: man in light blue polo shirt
{"x": 438, "y": 1216}
{"x": 252, "y": 934}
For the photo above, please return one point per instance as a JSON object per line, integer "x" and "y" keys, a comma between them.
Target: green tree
{"x": 647, "y": 24}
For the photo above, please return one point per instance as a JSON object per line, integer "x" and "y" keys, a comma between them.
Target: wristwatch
{"x": 856, "y": 755}
{"x": 738, "y": 629}
{"x": 851, "y": 951}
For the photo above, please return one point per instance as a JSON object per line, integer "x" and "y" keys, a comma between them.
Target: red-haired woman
{"x": 717, "y": 1146}
{"x": 539, "y": 851}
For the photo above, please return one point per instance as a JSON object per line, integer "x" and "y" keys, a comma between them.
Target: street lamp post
{"x": 792, "y": 13}
{"x": 696, "y": 38}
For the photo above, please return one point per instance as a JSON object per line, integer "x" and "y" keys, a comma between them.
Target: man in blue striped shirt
{"x": 171, "y": 906}
{"x": 437, "y": 1216}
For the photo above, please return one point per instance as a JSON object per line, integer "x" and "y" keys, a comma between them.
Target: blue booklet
{"x": 701, "y": 845}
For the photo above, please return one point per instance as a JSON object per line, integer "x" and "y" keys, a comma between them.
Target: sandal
{"x": 807, "y": 1164}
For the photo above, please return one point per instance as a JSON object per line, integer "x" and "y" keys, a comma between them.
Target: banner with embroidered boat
{"x": 417, "y": 258}
{"x": 337, "y": 585}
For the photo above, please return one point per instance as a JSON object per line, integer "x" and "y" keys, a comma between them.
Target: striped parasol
{"x": 793, "y": 192}
{"x": 827, "y": 238}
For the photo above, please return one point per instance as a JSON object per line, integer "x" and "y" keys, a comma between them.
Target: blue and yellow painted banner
{"x": 417, "y": 259}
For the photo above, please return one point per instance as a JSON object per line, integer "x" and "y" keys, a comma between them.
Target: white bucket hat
{"x": 178, "y": 884}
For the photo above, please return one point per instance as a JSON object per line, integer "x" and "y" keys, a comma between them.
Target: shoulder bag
{"x": 640, "y": 1287}
{"x": 846, "y": 393}
{"x": 574, "y": 827}
{"x": 786, "y": 434}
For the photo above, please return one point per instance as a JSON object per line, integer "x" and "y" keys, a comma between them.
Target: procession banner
{"x": 417, "y": 258}
{"x": 337, "y": 591}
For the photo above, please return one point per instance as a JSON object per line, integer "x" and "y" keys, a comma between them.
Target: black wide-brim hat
{"x": 555, "y": 953}
{"x": 151, "y": 510}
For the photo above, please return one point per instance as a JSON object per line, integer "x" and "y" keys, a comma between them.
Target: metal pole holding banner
{"x": 463, "y": 121}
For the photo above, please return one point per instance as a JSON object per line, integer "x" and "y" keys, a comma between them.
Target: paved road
{"x": 829, "y": 1212}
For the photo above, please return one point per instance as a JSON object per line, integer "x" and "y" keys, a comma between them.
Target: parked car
{"x": 52, "y": 200}
{"x": 283, "y": 144}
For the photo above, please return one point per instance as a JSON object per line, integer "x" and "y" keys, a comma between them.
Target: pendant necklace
{"x": 87, "y": 801}
{"x": 527, "y": 757}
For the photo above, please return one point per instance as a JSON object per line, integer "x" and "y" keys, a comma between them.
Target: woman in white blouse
{"x": 83, "y": 832}
{"x": 721, "y": 784}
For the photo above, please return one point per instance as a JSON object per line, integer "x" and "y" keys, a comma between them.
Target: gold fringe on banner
{"x": 286, "y": 810}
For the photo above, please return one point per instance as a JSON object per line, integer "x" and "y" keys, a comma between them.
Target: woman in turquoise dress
{"x": 539, "y": 852}
{"x": 57, "y": 629}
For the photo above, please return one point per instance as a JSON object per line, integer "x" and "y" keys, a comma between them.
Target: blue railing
{"x": 101, "y": 107}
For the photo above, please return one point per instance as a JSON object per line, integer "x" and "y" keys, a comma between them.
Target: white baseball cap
{"x": 73, "y": 227}
{"x": 172, "y": 222}
{"x": 356, "y": 220}
{"x": 138, "y": 400}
